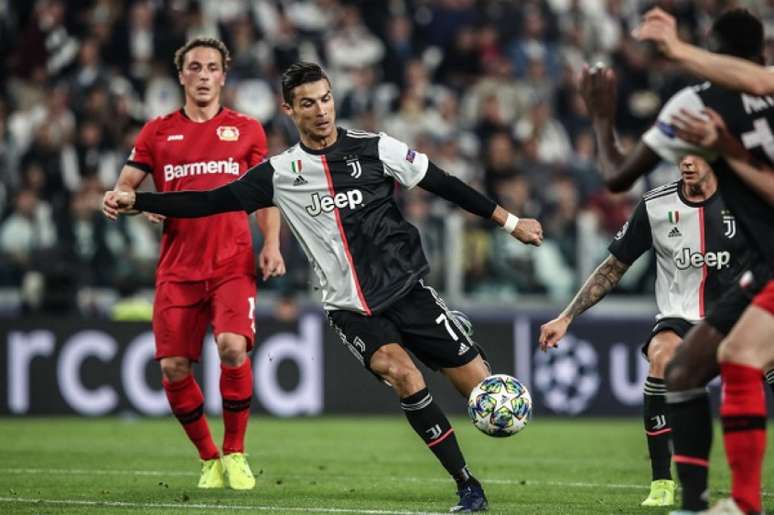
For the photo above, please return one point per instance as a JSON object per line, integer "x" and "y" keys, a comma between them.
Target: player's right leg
{"x": 376, "y": 342}
{"x": 666, "y": 336}
{"x": 179, "y": 323}
{"x": 743, "y": 356}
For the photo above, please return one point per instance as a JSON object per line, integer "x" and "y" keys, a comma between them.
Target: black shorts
{"x": 418, "y": 321}
{"x": 679, "y": 326}
{"x": 729, "y": 307}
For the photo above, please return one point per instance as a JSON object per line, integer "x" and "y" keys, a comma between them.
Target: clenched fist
{"x": 116, "y": 202}
{"x": 529, "y": 231}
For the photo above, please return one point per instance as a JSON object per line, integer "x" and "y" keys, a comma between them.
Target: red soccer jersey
{"x": 186, "y": 155}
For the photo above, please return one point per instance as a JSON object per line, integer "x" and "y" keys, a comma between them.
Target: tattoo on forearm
{"x": 599, "y": 284}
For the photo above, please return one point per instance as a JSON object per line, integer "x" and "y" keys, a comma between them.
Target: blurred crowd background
{"x": 487, "y": 88}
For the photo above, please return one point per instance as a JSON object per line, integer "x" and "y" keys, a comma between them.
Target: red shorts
{"x": 765, "y": 297}
{"x": 183, "y": 310}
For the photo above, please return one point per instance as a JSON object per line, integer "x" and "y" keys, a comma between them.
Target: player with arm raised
{"x": 749, "y": 119}
{"x": 699, "y": 254}
{"x": 336, "y": 192}
{"x": 748, "y": 150}
{"x": 206, "y": 269}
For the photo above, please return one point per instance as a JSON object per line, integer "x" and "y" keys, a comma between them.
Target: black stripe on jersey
{"x": 140, "y": 166}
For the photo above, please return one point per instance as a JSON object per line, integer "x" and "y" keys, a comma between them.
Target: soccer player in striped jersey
{"x": 699, "y": 254}
{"x": 747, "y": 350}
{"x": 736, "y": 33}
{"x": 336, "y": 191}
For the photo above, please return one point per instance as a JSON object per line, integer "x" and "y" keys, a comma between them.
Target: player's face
{"x": 203, "y": 75}
{"x": 694, "y": 169}
{"x": 313, "y": 110}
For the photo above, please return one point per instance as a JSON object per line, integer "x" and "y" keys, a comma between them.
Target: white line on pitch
{"x": 162, "y": 473}
{"x": 196, "y": 506}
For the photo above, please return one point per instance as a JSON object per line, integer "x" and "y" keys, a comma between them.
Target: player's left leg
{"x": 743, "y": 356}
{"x": 436, "y": 336}
{"x": 233, "y": 302}
{"x": 660, "y": 348}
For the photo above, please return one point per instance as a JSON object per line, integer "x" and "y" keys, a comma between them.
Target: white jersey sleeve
{"x": 404, "y": 164}
{"x": 662, "y": 137}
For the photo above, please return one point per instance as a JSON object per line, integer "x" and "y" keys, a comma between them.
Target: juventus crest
{"x": 354, "y": 165}
{"x": 729, "y": 224}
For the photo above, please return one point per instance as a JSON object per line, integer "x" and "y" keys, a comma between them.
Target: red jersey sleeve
{"x": 142, "y": 152}
{"x": 260, "y": 148}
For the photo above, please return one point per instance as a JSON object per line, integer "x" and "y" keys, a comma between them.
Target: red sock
{"x": 743, "y": 413}
{"x": 187, "y": 402}
{"x": 236, "y": 387}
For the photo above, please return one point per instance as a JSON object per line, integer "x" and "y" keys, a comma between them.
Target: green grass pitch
{"x": 328, "y": 465}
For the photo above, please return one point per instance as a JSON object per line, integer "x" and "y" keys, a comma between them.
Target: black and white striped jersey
{"x": 339, "y": 202}
{"x": 699, "y": 251}
{"x": 750, "y": 119}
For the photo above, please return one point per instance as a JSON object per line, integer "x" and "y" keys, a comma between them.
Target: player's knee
{"x": 397, "y": 368}
{"x": 175, "y": 369}
{"x": 658, "y": 357}
{"x": 404, "y": 376}
{"x": 232, "y": 349}
{"x": 734, "y": 350}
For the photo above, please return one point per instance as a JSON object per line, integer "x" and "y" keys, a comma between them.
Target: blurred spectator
{"x": 83, "y": 236}
{"x": 28, "y": 230}
{"x": 553, "y": 144}
{"x": 400, "y": 48}
{"x": 46, "y": 40}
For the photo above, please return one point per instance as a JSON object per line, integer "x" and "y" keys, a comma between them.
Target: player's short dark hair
{"x": 300, "y": 73}
{"x": 738, "y": 32}
{"x": 216, "y": 44}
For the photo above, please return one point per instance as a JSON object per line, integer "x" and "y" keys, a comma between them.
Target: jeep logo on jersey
{"x": 172, "y": 172}
{"x": 718, "y": 260}
{"x": 327, "y": 203}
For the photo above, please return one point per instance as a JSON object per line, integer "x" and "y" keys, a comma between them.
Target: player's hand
{"x": 659, "y": 27}
{"x": 116, "y": 202}
{"x": 700, "y": 129}
{"x": 154, "y": 218}
{"x": 553, "y": 331}
{"x": 598, "y": 89}
{"x": 708, "y": 130}
{"x": 270, "y": 262}
{"x": 528, "y": 231}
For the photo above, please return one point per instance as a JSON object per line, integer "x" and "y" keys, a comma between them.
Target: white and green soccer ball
{"x": 500, "y": 405}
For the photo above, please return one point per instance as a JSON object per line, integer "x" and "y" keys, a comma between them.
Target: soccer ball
{"x": 500, "y": 405}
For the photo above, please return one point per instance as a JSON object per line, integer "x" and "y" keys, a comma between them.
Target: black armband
{"x": 188, "y": 204}
{"x": 454, "y": 190}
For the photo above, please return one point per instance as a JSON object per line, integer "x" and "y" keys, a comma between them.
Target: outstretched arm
{"x": 600, "y": 283}
{"x": 619, "y": 171}
{"x": 526, "y": 230}
{"x": 724, "y": 70}
{"x": 180, "y": 204}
